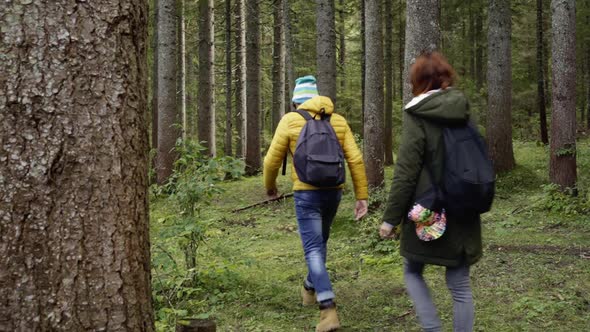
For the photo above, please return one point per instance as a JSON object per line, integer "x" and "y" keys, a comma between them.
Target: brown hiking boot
{"x": 328, "y": 320}
{"x": 308, "y": 296}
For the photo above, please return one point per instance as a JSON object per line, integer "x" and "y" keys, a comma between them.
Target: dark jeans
{"x": 457, "y": 283}
{"x": 315, "y": 210}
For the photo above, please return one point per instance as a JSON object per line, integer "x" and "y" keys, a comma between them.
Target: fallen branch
{"x": 263, "y": 202}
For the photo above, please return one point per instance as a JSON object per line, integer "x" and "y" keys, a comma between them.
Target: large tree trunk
{"x": 206, "y": 93}
{"x": 289, "y": 71}
{"x": 278, "y": 66}
{"x": 541, "y": 75}
{"x": 253, "y": 160}
{"x": 342, "y": 44}
{"x": 363, "y": 62}
{"x": 373, "y": 124}
{"x": 240, "y": 118}
{"x": 154, "y": 101}
{"x": 587, "y": 70}
{"x": 562, "y": 166}
{"x": 326, "y": 49}
{"x": 422, "y": 34}
{"x": 168, "y": 117}
{"x": 499, "y": 122}
{"x": 74, "y": 244}
{"x": 228, "y": 81}
{"x": 388, "y": 126}
{"x": 182, "y": 68}
{"x": 402, "y": 49}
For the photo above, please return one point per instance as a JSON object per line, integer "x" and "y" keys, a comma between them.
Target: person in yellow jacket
{"x": 315, "y": 207}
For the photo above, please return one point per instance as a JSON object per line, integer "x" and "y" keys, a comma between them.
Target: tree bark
{"x": 541, "y": 75}
{"x": 154, "y": 101}
{"x": 206, "y": 93}
{"x": 363, "y": 62}
{"x": 388, "y": 125}
{"x": 228, "y": 81}
{"x": 562, "y": 165}
{"x": 402, "y": 43}
{"x": 499, "y": 121}
{"x": 74, "y": 244}
{"x": 422, "y": 34}
{"x": 168, "y": 117}
{"x": 289, "y": 71}
{"x": 587, "y": 70}
{"x": 240, "y": 114}
{"x": 278, "y": 66}
{"x": 182, "y": 67}
{"x": 373, "y": 124}
{"x": 326, "y": 49}
{"x": 479, "y": 48}
{"x": 253, "y": 160}
{"x": 342, "y": 48}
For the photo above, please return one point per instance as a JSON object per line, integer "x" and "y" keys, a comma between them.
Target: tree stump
{"x": 196, "y": 325}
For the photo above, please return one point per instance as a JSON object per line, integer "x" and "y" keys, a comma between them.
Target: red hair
{"x": 431, "y": 71}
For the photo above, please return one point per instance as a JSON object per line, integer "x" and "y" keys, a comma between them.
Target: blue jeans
{"x": 458, "y": 284}
{"x": 315, "y": 210}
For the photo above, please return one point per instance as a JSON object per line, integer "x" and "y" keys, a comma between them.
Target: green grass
{"x": 534, "y": 276}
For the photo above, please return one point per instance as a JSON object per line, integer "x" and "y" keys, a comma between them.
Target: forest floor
{"x": 534, "y": 275}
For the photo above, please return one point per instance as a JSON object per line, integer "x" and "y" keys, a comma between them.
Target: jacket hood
{"x": 319, "y": 105}
{"x": 447, "y": 106}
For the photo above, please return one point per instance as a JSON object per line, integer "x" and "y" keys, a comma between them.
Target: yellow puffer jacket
{"x": 285, "y": 139}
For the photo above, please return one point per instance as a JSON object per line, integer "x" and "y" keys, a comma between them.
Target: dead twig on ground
{"x": 263, "y": 202}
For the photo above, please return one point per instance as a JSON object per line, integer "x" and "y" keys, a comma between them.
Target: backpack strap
{"x": 304, "y": 114}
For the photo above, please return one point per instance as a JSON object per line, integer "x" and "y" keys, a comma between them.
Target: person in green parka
{"x": 436, "y": 104}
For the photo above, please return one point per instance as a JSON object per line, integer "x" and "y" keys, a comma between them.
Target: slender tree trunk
{"x": 373, "y": 124}
{"x": 182, "y": 67}
{"x": 388, "y": 130}
{"x": 499, "y": 122}
{"x": 228, "y": 80}
{"x": 253, "y": 160}
{"x": 540, "y": 75}
{"x": 402, "y": 43}
{"x": 587, "y": 70}
{"x": 422, "y": 34}
{"x": 472, "y": 41}
{"x": 74, "y": 248}
{"x": 206, "y": 93}
{"x": 326, "y": 48}
{"x": 289, "y": 71}
{"x": 278, "y": 66}
{"x": 562, "y": 166}
{"x": 168, "y": 117}
{"x": 240, "y": 119}
{"x": 342, "y": 42}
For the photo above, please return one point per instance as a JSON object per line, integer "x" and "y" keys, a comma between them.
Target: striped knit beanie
{"x": 305, "y": 88}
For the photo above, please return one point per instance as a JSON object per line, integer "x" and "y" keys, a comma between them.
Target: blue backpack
{"x": 318, "y": 156}
{"x": 468, "y": 178}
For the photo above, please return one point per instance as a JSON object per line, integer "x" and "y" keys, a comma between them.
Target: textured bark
{"x": 587, "y": 70}
{"x": 326, "y": 48}
{"x": 168, "y": 116}
{"x": 342, "y": 44}
{"x": 253, "y": 160}
{"x": 289, "y": 70}
{"x": 206, "y": 93}
{"x": 278, "y": 66}
{"x": 402, "y": 43}
{"x": 388, "y": 130}
{"x": 373, "y": 124}
{"x": 74, "y": 244}
{"x": 499, "y": 122}
{"x": 154, "y": 101}
{"x": 562, "y": 165}
{"x": 541, "y": 75}
{"x": 240, "y": 114}
{"x": 228, "y": 81}
{"x": 181, "y": 81}
{"x": 363, "y": 61}
{"x": 422, "y": 34}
